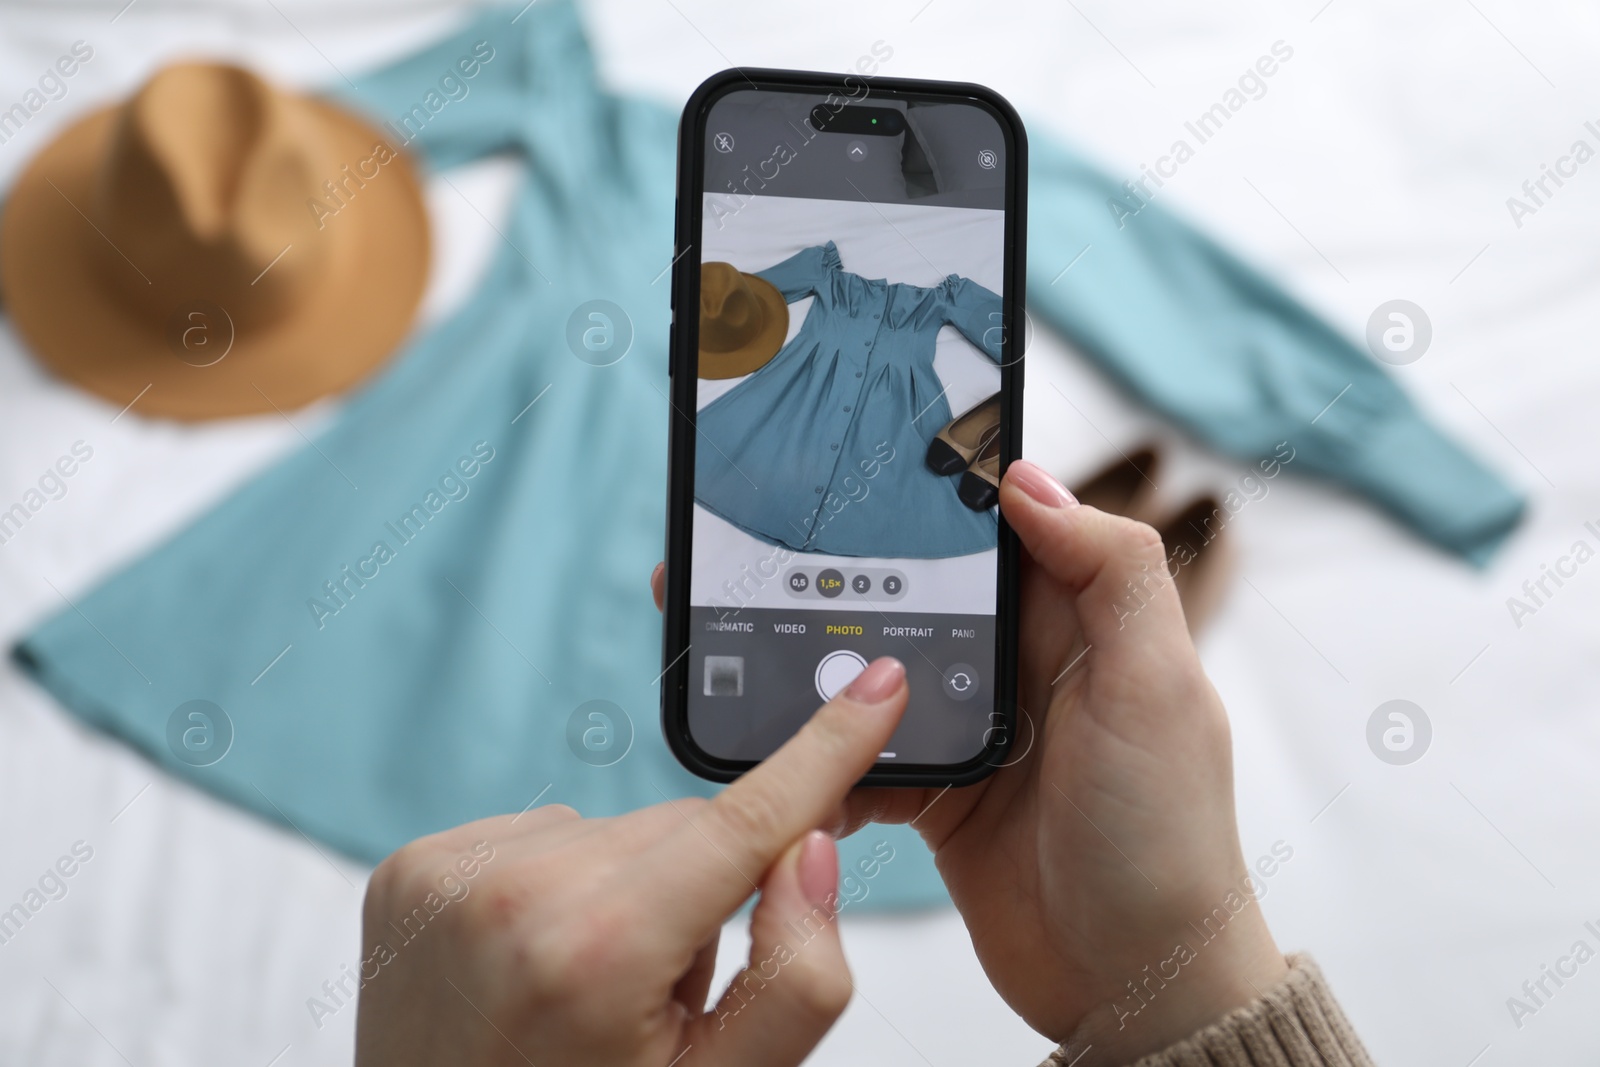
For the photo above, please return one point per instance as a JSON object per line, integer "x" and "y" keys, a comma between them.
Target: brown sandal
{"x": 1200, "y": 558}
{"x": 1125, "y": 487}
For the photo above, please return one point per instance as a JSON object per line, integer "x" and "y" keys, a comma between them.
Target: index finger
{"x": 712, "y": 863}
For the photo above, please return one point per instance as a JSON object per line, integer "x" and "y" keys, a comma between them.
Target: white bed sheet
{"x": 1377, "y": 165}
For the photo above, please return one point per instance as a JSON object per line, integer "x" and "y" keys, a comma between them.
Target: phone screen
{"x": 854, "y": 372}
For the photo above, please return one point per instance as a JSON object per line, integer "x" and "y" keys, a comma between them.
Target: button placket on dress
{"x": 826, "y": 489}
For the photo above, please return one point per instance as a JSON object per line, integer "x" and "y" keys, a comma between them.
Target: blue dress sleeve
{"x": 802, "y": 274}
{"x": 977, "y": 312}
{"x": 1222, "y": 350}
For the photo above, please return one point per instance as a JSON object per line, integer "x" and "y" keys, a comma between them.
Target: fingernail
{"x": 878, "y": 682}
{"x": 819, "y": 869}
{"x": 1039, "y": 484}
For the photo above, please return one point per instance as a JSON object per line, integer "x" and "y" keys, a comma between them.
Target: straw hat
{"x": 234, "y": 248}
{"x": 743, "y": 321}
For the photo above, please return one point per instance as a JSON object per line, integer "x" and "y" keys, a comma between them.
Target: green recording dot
{"x": 874, "y": 122}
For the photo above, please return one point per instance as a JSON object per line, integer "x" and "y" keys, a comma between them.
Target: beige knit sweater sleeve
{"x": 1296, "y": 1023}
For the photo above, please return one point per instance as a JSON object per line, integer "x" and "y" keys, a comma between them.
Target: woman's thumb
{"x": 1110, "y": 565}
{"x": 796, "y": 983}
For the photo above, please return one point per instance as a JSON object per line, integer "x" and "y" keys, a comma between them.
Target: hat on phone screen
{"x": 743, "y": 321}
{"x": 214, "y": 247}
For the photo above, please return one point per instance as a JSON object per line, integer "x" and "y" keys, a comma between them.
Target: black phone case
{"x": 684, "y": 345}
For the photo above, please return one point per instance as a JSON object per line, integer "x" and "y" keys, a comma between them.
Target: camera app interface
{"x": 851, "y": 337}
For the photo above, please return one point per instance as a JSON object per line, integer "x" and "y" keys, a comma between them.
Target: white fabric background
{"x": 1376, "y": 166}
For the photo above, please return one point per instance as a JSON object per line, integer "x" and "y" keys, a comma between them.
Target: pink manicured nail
{"x": 878, "y": 682}
{"x": 819, "y": 869}
{"x": 1039, "y": 484}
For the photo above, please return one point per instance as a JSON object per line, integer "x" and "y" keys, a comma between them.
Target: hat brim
{"x": 752, "y": 356}
{"x": 339, "y": 334}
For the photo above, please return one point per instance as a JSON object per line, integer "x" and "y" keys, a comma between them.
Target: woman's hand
{"x": 1090, "y": 870}
{"x": 550, "y": 939}
{"x": 1099, "y": 858}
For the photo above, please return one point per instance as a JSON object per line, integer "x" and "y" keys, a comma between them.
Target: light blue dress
{"x": 822, "y": 449}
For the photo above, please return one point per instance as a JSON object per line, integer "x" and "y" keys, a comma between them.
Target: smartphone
{"x": 846, "y": 386}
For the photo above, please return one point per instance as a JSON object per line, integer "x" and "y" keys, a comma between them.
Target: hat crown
{"x": 205, "y": 189}
{"x": 731, "y": 316}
